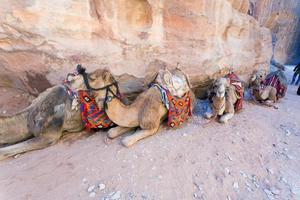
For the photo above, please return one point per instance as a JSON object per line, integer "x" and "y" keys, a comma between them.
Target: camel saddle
{"x": 92, "y": 117}
{"x": 277, "y": 80}
{"x": 175, "y": 94}
{"x": 237, "y": 83}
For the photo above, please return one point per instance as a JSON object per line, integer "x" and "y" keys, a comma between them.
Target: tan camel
{"x": 46, "y": 119}
{"x": 147, "y": 111}
{"x": 265, "y": 95}
{"x": 224, "y": 96}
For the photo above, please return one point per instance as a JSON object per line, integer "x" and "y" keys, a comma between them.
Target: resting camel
{"x": 45, "y": 120}
{"x": 225, "y": 97}
{"x": 148, "y": 111}
{"x": 265, "y": 90}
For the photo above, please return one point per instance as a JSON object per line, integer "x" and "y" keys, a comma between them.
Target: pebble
{"x": 4, "y": 111}
{"x": 92, "y": 194}
{"x": 116, "y": 195}
{"x": 84, "y": 180}
{"x": 287, "y": 132}
{"x": 227, "y": 171}
{"x": 228, "y": 197}
{"x": 243, "y": 174}
{"x": 270, "y": 171}
{"x": 282, "y": 179}
{"x": 101, "y": 186}
{"x": 275, "y": 191}
{"x": 290, "y": 157}
{"x": 236, "y": 185}
{"x": 91, "y": 188}
{"x": 268, "y": 192}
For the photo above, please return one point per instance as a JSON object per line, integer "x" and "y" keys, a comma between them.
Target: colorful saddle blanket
{"x": 237, "y": 83}
{"x": 91, "y": 115}
{"x": 274, "y": 79}
{"x": 179, "y": 108}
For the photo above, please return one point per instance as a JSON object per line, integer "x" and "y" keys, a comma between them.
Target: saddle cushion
{"x": 91, "y": 115}
{"x": 179, "y": 109}
{"x": 275, "y": 82}
{"x": 237, "y": 83}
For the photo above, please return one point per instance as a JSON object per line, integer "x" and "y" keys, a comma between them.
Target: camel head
{"x": 219, "y": 90}
{"x": 174, "y": 80}
{"x": 95, "y": 82}
{"x": 258, "y": 77}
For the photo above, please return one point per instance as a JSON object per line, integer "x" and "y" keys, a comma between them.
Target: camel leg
{"x": 117, "y": 131}
{"x": 132, "y": 139}
{"x": 35, "y": 143}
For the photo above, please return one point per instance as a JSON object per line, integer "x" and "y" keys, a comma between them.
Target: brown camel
{"x": 45, "y": 120}
{"x": 147, "y": 112}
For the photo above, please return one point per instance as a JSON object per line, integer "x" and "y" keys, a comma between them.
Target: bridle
{"x": 109, "y": 93}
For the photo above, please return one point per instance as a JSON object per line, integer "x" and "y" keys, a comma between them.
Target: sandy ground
{"x": 254, "y": 156}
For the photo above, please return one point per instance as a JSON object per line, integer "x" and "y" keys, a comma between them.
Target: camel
{"x": 45, "y": 121}
{"x": 266, "y": 92}
{"x": 148, "y": 111}
{"x": 224, "y": 97}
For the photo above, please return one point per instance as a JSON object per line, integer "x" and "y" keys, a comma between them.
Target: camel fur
{"x": 266, "y": 95}
{"x": 45, "y": 121}
{"x": 148, "y": 111}
{"x": 224, "y": 97}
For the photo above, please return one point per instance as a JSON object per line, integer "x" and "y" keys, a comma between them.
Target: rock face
{"x": 207, "y": 37}
{"x": 282, "y": 18}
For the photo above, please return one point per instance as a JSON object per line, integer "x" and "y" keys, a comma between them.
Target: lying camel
{"x": 44, "y": 121}
{"x": 147, "y": 111}
{"x": 226, "y": 97}
{"x": 267, "y": 89}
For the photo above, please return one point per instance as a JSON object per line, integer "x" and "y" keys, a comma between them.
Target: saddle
{"x": 91, "y": 115}
{"x": 237, "y": 83}
{"x": 175, "y": 95}
{"x": 277, "y": 80}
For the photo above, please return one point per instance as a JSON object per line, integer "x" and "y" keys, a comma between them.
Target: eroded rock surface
{"x": 207, "y": 37}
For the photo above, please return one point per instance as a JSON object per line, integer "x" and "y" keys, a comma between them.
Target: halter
{"x": 109, "y": 93}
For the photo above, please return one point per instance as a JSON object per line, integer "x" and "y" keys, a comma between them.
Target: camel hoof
{"x": 111, "y": 135}
{"x": 223, "y": 121}
{"x": 127, "y": 142}
{"x": 208, "y": 115}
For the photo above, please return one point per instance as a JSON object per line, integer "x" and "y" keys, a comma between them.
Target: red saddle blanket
{"x": 237, "y": 83}
{"x": 91, "y": 115}
{"x": 179, "y": 109}
{"x": 275, "y": 82}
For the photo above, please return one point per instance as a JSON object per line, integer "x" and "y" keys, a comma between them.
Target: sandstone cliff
{"x": 207, "y": 37}
{"x": 282, "y": 18}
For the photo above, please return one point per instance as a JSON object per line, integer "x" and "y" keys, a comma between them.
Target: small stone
{"x": 275, "y": 191}
{"x": 243, "y": 174}
{"x": 270, "y": 171}
{"x": 91, "y": 188}
{"x": 268, "y": 192}
{"x": 4, "y": 111}
{"x": 116, "y": 195}
{"x": 228, "y": 197}
{"x": 227, "y": 171}
{"x": 101, "y": 186}
{"x": 287, "y": 132}
{"x": 195, "y": 195}
{"x": 290, "y": 157}
{"x": 236, "y": 185}
{"x": 84, "y": 180}
{"x": 184, "y": 135}
{"x": 92, "y": 194}
{"x": 282, "y": 179}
